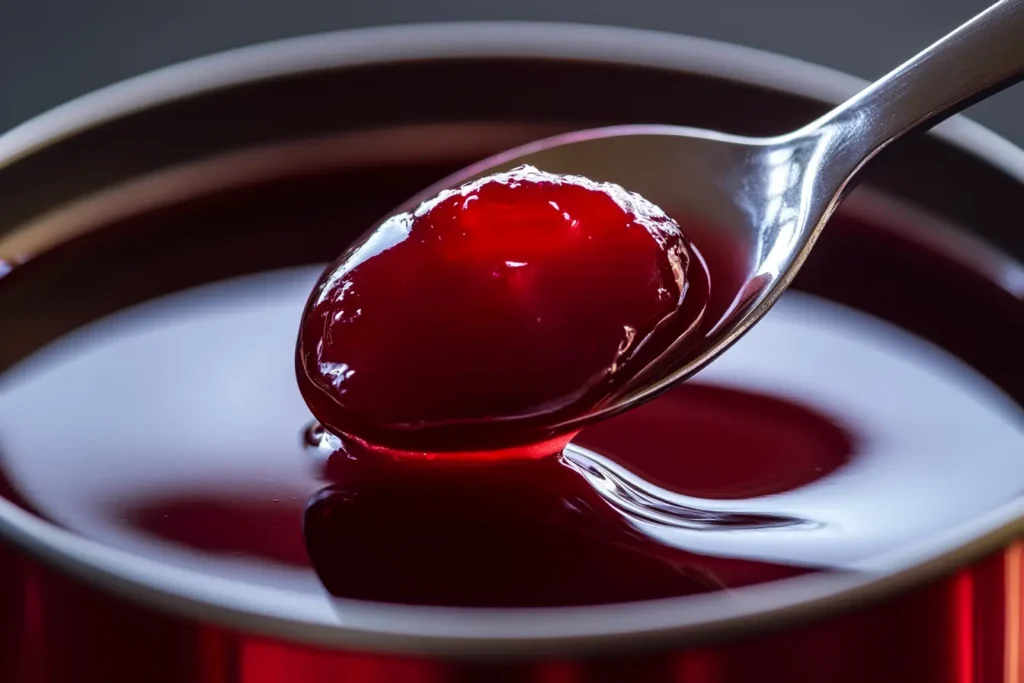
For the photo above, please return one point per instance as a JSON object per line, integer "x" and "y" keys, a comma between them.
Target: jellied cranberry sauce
{"x": 473, "y": 326}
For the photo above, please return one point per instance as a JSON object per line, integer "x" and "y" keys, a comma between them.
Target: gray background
{"x": 52, "y": 50}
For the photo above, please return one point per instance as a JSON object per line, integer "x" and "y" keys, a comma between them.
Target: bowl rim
{"x": 467, "y": 632}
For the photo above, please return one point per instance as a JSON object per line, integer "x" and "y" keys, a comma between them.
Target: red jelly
{"x": 477, "y": 325}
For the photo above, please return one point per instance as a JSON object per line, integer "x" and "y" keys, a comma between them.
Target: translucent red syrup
{"x": 476, "y": 325}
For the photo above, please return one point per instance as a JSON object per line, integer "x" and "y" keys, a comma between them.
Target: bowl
{"x": 389, "y": 110}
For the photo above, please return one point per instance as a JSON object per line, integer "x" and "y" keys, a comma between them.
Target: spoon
{"x": 769, "y": 198}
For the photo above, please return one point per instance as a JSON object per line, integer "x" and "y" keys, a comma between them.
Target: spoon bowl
{"x": 747, "y": 190}
{"x": 767, "y": 198}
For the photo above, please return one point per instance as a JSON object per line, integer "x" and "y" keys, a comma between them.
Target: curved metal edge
{"x": 469, "y": 633}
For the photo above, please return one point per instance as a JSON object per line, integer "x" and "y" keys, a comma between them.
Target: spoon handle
{"x": 982, "y": 56}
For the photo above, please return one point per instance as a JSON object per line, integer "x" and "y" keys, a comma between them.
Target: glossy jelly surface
{"x": 473, "y": 326}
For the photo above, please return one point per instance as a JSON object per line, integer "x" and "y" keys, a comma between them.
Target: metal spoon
{"x": 770, "y": 197}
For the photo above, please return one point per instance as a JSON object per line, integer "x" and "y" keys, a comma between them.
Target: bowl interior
{"x": 367, "y": 135}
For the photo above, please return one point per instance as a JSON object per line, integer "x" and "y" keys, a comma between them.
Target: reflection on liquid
{"x": 639, "y": 500}
{"x": 524, "y": 533}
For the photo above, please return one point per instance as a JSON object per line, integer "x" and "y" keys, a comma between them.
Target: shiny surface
{"x": 208, "y": 475}
{"x": 520, "y": 533}
{"x": 771, "y": 196}
{"x": 221, "y": 482}
{"x": 962, "y": 173}
{"x": 466, "y": 328}
{"x": 189, "y": 462}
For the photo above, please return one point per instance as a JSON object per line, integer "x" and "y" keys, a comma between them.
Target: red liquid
{"x": 713, "y": 442}
{"x": 171, "y": 433}
{"x": 521, "y": 533}
{"x": 476, "y": 325}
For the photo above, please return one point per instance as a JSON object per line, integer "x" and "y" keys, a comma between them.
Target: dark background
{"x": 53, "y": 50}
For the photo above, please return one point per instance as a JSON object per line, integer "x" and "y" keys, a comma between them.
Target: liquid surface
{"x": 154, "y": 432}
{"x": 474, "y": 326}
{"x": 518, "y": 533}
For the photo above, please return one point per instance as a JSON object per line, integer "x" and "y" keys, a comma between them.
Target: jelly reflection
{"x": 524, "y": 533}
